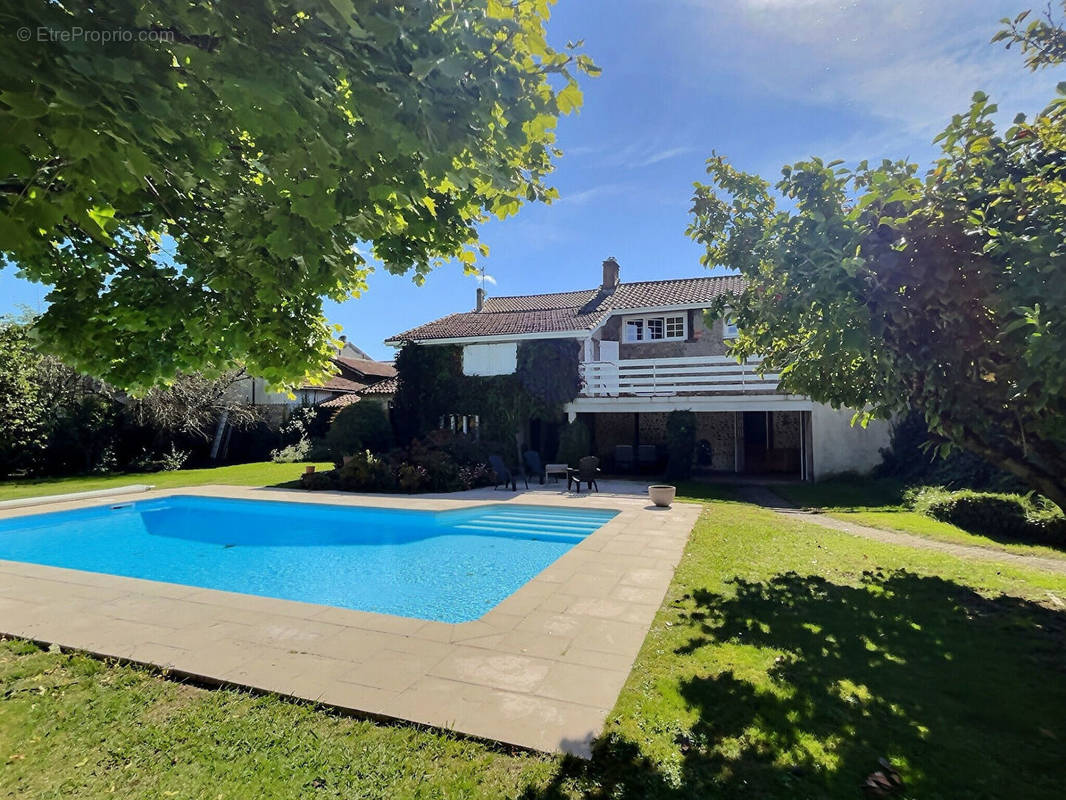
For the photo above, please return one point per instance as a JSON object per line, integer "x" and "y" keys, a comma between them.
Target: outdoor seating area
{"x": 586, "y": 472}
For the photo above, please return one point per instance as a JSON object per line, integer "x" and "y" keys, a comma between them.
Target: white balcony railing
{"x": 648, "y": 377}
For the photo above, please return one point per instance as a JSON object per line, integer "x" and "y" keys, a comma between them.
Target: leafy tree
{"x": 359, "y": 427}
{"x": 880, "y": 289}
{"x": 192, "y": 405}
{"x": 193, "y": 180}
{"x": 24, "y": 434}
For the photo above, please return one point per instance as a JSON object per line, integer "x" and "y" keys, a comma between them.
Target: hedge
{"x": 992, "y": 514}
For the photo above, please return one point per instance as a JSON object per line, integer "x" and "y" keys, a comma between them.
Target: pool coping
{"x": 48, "y": 499}
{"x": 541, "y": 670}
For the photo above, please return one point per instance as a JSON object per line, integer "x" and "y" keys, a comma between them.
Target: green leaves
{"x": 191, "y": 202}
{"x": 23, "y": 105}
{"x": 102, "y": 215}
{"x": 569, "y": 98}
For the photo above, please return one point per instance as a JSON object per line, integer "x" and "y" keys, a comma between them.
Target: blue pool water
{"x": 451, "y": 566}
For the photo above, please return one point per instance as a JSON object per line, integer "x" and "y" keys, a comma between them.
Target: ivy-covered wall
{"x": 432, "y": 384}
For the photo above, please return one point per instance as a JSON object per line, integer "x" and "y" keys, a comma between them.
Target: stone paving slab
{"x": 540, "y": 670}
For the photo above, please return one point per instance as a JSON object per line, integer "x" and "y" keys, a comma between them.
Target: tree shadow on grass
{"x": 966, "y": 695}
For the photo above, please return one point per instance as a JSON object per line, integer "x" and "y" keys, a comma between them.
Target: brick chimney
{"x": 611, "y": 275}
{"x": 480, "y": 298}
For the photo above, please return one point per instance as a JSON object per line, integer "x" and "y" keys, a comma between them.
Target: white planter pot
{"x": 662, "y": 495}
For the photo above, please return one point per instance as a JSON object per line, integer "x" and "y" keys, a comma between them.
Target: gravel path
{"x": 761, "y": 495}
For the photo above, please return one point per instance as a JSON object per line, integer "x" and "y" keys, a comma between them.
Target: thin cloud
{"x": 907, "y": 63}
{"x": 664, "y": 155}
{"x": 588, "y": 195}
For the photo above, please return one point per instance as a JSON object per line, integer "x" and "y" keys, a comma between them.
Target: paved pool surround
{"x": 541, "y": 670}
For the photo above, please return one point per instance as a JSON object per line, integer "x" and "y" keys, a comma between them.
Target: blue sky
{"x": 764, "y": 82}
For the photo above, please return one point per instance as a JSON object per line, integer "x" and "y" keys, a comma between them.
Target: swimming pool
{"x": 451, "y": 566}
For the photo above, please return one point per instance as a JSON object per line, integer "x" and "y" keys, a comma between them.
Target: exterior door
{"x": 755, "y": 441}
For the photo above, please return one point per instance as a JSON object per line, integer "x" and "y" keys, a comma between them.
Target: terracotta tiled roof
{"x": 650, "y": 294}
{"x": 569, "y": 311}
{"x": 539, "y": 302}
{"x": 474, "y": 323}
{"x": 387, "y": 386}
{"x": 341, "y": 401}
{"x": 355, "y": 374}
{"x": 338, "y": 383}
{"x": 364, "y": 366}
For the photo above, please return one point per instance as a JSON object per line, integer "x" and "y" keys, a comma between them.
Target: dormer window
{"x": 658, "y": 328}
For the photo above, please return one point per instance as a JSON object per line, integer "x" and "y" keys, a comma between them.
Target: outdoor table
{"x": 556, "y": 471}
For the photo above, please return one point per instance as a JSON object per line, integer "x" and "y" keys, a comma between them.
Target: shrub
{"x": 475, "y": 475}
{"x": 412, "y": 478}
{"x": 998, "y": 516}
{"x": 575, "y": 443}
{"x": 358, "y": 427}
{"x": 319, "y": 481}
{"x": 366, "y": 472}
{"x": 298, "y": 451}
{"x": 441, "y": 462}
{"x": 680, "y": 444}
{"x": 174, "y": 459}
{"x": 320, "y": 451}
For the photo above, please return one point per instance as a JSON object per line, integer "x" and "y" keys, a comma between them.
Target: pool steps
{"x": 525, "y": 522}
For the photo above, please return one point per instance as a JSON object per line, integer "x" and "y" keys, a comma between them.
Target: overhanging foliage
{"x": 193, "y": 184}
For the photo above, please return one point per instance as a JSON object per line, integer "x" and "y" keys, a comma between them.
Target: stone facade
{"x": 786, "y": 428}
{"x": 717, "y": 429}
{"x": 609, "y": 430}
{"x": 702, "y": 340}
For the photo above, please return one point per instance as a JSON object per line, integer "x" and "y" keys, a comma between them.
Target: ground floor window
{"x": 466, "y": 424}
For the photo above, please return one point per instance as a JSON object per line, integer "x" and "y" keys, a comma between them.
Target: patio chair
{"x": 587, "y": 469}
{"x": 623, "y": 457}
{"x": 503, "y": 475}
{"x": 533, "y": 464}
{"x": 647, "y": 457}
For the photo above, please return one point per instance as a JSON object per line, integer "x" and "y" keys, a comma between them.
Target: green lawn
{"x": 879, "y": 504}
{"x": 264, "y": 473}
{"x": 785, "y": 660}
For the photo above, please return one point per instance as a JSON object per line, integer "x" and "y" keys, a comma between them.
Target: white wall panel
{"x": 490, "y": 359}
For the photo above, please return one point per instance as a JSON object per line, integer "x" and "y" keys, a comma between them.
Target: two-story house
{"x": 646, "y": 349}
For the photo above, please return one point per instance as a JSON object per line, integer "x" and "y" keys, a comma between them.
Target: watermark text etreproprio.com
{"x": 76, "y": 33}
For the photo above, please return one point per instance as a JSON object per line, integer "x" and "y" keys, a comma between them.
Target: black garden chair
{"x": 587, "y": 470}
{"x": 503, "y": 475}
{"x": 534, "y": 466}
